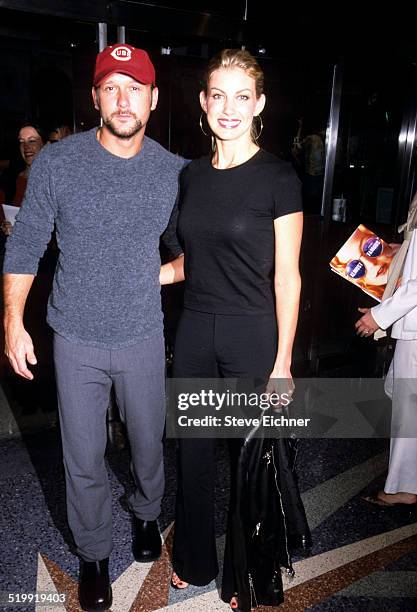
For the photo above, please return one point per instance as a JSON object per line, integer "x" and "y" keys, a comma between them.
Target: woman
{"x": 31, "y": 141}
{"x": 239, "y": 218}
{"x": 400, "y": 310}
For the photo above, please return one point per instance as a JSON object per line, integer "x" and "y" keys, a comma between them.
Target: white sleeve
{"x": 397, "y": 306}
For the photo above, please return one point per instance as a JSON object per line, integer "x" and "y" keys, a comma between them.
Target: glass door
{"x": 368, "y": 181}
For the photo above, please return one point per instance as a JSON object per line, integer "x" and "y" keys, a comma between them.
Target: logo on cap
{"x": 123, "y": 54}
{"x": 127, "y": 60}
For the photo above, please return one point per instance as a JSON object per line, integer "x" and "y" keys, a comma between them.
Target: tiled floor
{"x": 363, "y": 558}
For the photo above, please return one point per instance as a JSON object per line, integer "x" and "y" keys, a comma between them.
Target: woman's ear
{"x": 260, "y": 104}
{"x": 203, "y": 101}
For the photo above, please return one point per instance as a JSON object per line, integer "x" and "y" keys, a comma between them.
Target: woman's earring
{"x": 256, "y": 133}
{"x": 201, "y": 125}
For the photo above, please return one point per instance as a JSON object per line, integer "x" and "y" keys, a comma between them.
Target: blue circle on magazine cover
{"x": 355, "y": 268}
{"x": 373, "y": 247}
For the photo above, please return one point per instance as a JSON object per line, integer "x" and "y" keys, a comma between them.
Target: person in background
{"x": 31, "y": 139}
{"x": 240, "y": 226}
{"x": 400, "y": 311}
{"x": 4, "y": 167}
{"x": 109, "y": 193}
{"x": 309, "y": 153}
{"x": 58, "y": 133}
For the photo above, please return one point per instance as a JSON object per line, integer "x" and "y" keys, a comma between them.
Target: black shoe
{"x": 94, "y": 590}
{"x": 146, "y": 540}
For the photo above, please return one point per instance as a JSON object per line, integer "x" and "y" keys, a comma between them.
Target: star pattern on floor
{"x": 146, "y": 587}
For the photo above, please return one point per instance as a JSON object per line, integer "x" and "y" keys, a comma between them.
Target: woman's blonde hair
{"x": 236, "y": 58}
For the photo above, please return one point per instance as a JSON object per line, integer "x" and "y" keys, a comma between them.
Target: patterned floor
{"x": 363, "y": 558}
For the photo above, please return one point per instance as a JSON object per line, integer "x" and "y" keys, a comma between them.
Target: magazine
{"x": 364, "y": 260}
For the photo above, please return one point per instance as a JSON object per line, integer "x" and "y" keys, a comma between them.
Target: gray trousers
{"x": 84, "y": 376}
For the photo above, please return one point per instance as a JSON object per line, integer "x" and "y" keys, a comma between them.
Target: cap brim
{"x": 101, "y": 77}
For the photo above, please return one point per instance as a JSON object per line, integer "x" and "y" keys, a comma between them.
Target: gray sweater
{"x": 109, "y": 214}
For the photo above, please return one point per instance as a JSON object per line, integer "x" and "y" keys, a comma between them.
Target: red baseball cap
{"x": 126, "y": 60}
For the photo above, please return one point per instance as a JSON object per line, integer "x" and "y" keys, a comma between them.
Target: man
{"x": 109, "y": 193}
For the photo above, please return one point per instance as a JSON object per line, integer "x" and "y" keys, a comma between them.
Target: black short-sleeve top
{"x": 226, "y": 229}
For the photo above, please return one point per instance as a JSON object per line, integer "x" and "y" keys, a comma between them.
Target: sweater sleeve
{"x": 397, "y": 306}
{"x": 34, "y": 222}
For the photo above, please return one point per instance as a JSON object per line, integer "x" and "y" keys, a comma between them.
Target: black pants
{"x": 207, "y": 346}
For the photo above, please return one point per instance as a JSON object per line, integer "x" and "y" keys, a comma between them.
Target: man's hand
{"x": 18, "y": 343}
{"x": 366, "y": 325}
{"x": 19, "y": 349}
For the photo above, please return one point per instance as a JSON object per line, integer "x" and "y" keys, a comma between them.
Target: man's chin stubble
{"x": 124, "y": 135}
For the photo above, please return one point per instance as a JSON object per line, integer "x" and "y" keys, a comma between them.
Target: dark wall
{"x": 35, "y": 85}
{"x": 51, "y": 82}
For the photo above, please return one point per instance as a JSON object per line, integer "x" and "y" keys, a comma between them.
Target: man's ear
{"x": 94, "y": 93}
{"x": 155, "y": 94}
{"x": 203, "y": 101}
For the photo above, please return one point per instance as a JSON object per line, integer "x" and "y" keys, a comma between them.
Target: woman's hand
{"x": 366, "y": 325}
{"x": 281, "y": 382}
{"x": 6, "y": 227}
{"x": 395, "y": 247}
{"x": 287, "y": 283}
{"x": 172, "y": 272}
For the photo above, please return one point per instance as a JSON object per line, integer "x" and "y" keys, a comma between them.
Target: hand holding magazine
{"x": 10, "y": 212}
{"x": 364, "y": 260}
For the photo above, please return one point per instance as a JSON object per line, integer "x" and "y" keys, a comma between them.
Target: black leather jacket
{"x": 267, "y": 521}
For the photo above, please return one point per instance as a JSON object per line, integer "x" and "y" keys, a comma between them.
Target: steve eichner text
{"x": 229, "y": 399}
